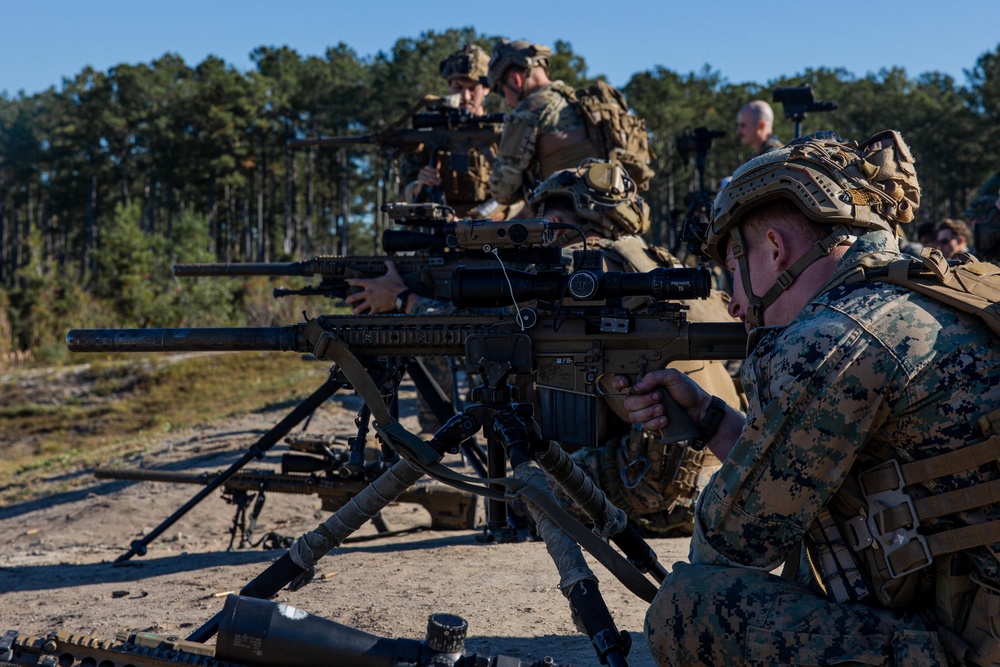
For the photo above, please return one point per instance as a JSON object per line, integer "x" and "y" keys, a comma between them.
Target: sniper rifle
{"x": 428, "y": 273}
{"x": 323, "y": 472}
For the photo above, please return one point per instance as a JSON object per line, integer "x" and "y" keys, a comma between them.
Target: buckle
{"x": 643, "y": 465}
{"x": 894, "y": 540}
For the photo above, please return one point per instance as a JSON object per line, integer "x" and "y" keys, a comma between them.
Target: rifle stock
{"x": 568, "y": 358}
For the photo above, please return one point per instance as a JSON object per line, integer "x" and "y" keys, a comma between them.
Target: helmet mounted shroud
{"x": 470, "y": 63}
{"x": 848, "y": 186}
{"x": 507, "y": 54}
{"x": 602, "y": 195}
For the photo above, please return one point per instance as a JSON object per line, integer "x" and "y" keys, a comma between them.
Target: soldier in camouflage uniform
{"x": 459, "y": 180}
{"x": 544, "y": 132}
{"x": 871, "y": 437}
{"x": 655, "y": 484}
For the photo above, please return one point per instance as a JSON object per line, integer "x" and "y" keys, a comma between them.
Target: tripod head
{"x": 797, "y": 100}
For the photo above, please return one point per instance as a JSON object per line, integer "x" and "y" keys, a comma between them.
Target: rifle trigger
{"x": 643, "y": 463}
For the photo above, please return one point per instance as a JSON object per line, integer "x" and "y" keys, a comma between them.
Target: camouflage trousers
{"x": 706, "y": 615}
{"x": 655, "y": 484}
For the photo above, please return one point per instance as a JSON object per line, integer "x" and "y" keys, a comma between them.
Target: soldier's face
{"x": 747, "y": 128}
{"x": 511, "y": 88}
{"x": 472, "y": 94}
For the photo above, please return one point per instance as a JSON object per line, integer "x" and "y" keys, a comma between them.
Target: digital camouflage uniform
{"x": 866, "y": 373}
{"x": 524, "y": 161}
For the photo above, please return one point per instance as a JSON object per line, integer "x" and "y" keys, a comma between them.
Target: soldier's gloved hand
{"x": 377, "y": 295}
{"x": 645, "y": 406}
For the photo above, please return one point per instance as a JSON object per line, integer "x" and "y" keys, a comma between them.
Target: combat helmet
{"x": 469, "y": 63}
{"x": 851, "y": 187}
{"x": 602, "y": 194}
{"x": 507, "y": 54}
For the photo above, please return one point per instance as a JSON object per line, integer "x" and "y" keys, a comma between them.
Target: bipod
{"x": 334, "y": 382}
{"x": 509, "y": 428}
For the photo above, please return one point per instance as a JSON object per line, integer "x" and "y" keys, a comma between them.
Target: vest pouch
{"x": 953, "y": 590}
{"x": 982, "y": 632}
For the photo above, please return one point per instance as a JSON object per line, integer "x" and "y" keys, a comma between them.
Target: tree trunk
{"x": 345, "y": 204}
{"x": 288, "y": 243}
{"x": 307, "y": 243}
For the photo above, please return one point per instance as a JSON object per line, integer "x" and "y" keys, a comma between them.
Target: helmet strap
{"x": 757, "y": 304}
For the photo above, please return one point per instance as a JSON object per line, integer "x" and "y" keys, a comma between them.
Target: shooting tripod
{"x": 698, "y": 203}
{"x": 508, "y": 427}
{"x": 387, "y": 376}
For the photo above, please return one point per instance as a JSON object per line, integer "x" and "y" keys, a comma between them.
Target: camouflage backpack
{"x": 615, "y": 131}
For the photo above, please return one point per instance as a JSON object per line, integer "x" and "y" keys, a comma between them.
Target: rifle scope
{"x": 453, "y": 120}
{"x": 262, "y": 633}
{"x": 483, "y": 288}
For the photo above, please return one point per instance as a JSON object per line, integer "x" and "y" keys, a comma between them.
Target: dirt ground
{"x": 56, "y": 572}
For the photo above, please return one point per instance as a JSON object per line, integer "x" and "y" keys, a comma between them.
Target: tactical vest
{"x": 465, "y": 174}
{"x": 869, "y": 545}
{"x": 569, "y": 155}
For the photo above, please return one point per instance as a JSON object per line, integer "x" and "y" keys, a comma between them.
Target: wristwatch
{"x": 709, "y": 424}
{"x": 401, "y": 299}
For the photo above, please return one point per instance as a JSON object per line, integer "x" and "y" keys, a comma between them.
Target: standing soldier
{"x": 460, "y": 178}
{"x": 754, "y": 124}
{"x": 551, "y": 128}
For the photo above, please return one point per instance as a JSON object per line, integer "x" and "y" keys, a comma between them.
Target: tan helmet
{"x": 601, "y": 193}
{"x": 521, "y": 53}
{"x": 833, "y": 182}
{"x": 469, "y": 63}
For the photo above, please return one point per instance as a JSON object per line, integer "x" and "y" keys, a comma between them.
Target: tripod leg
{"x": 444, "y": 409}
{"x": 363, "y": 507}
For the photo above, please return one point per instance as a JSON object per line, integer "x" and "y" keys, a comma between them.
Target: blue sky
{"x": 46, "y": 40}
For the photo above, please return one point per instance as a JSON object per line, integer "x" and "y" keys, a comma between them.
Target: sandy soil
{"x": 56, "y": 572}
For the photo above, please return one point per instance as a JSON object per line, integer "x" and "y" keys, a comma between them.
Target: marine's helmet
{"x": 602, "y": 194}
{"x": 851, "y": 187}
{"x": 471, "y": 62}
{"x": 521, "y": 53}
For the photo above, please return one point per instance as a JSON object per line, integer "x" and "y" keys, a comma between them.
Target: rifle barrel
{"x": 143, "y": 475}
{"x": 242, "y": 269}
{"x": 221, "y": 339}
{"x": 333, "y": 141}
